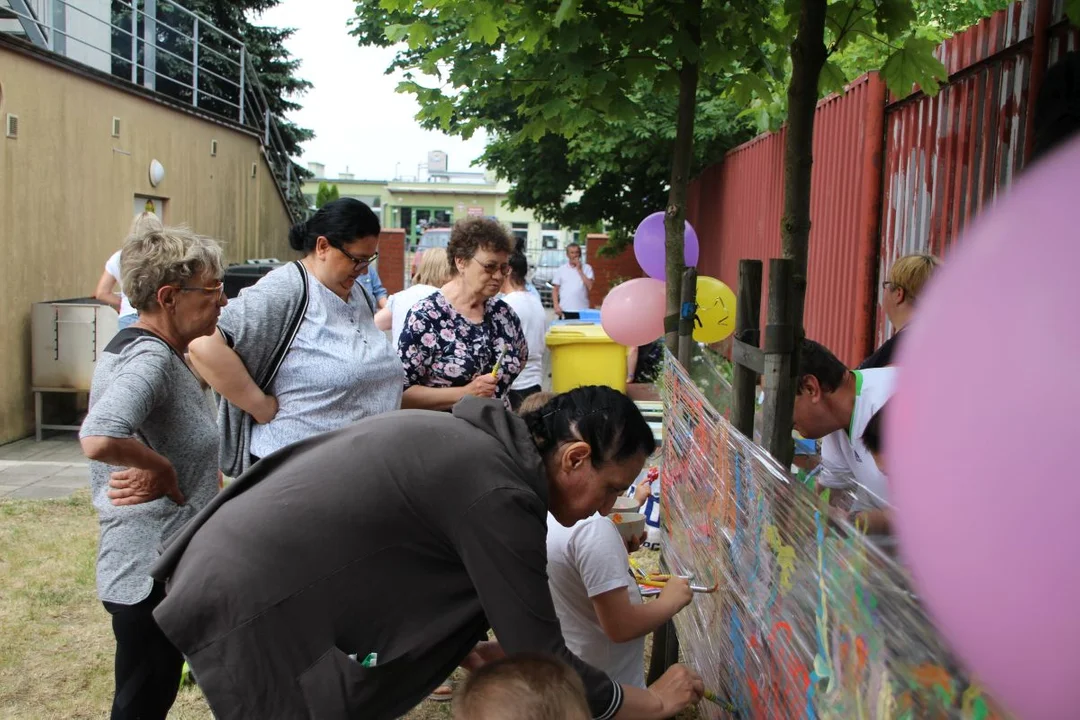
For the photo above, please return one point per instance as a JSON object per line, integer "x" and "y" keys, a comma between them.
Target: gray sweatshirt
{"x": 354, "y": 543}
{"x": 259, "y": 325}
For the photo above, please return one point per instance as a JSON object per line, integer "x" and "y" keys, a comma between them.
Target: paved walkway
{"x": 52, "y": 468}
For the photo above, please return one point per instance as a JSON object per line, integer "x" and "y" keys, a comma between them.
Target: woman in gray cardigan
{"x": 298, "y": 354}
{"x": 348, "y": 575}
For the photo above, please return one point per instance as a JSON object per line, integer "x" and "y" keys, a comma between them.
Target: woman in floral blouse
{"x": 462, "y": 341}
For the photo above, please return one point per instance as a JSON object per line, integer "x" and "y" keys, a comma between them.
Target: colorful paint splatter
{"x": 810, "y": 621}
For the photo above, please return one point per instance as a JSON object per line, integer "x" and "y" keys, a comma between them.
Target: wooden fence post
{"x": 748, "y": 333}
{"x": 779, "y": 364}
{"x": 687, "y": 316}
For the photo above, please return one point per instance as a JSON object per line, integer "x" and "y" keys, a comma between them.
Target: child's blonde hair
{"x": 534, "y": 402}
{"x": 523, "y": 687}
{"x": 911, "y": 272}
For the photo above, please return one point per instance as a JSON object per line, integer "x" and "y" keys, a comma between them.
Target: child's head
{"x": 522, "y": 687}
{"x": 872, "y": 437}
{"x": 535, "y": 402}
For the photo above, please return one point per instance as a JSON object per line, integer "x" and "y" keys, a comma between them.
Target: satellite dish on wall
{"x": 157, "y": 173}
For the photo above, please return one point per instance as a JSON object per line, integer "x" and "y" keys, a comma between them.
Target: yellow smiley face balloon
{"x": 716, "y": 310}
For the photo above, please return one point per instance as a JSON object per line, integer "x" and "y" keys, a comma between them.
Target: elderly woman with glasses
{"x": 463, "y": 341}
{"x": 152, "y": 445}
{"x": 297, "y": 353}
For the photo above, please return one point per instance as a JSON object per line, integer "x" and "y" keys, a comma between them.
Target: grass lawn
{"x": 56, "y": 644}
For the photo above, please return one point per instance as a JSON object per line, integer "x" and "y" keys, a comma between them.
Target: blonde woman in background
{"x": 907, "y": 277}
{"x": 432, "y": 272}
{"x": 141, "y": 224}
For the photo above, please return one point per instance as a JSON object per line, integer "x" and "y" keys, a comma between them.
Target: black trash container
{"x": 242, "y": 275}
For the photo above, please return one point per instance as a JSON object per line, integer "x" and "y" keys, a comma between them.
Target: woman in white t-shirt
{"x": 533, "y": 318}
{"x": 141, "y": 224}
{"x": 432, "y": 272}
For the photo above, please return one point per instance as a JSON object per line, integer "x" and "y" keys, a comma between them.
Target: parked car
{"x": 544, "y": 271}
{"x": 432, "y": 237}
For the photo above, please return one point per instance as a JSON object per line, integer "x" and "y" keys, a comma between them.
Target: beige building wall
{"x": 68, "y": 188}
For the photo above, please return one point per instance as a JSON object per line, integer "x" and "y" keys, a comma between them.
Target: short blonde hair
{"x": 528, "y": 686}
{"x": 535, "y": 402}
{"x": 169, "y": 256}
{"x": 911, "y": 272}
{"x": 433, "y": 268}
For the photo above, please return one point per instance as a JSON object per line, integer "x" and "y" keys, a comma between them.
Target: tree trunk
{"x": 787, "y": 277}
{"x": 807, "y": 58}
{"x": 675, "y": 215}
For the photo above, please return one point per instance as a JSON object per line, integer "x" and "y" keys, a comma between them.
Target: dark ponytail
{"x": 519, "y": 269}
{"x": 340, "y": 222}
{"x": 608, "y": 421}
{"x": 298, "y": 236}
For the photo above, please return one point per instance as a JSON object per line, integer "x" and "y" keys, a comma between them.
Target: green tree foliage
{"x": 856, "y": 42}
{"x": 553, "y": 88}
{"x": 615, "y": 177}
{"x": 326, "y": 193}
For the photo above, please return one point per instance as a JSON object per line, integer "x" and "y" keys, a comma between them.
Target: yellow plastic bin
{"x": 583, "y": 354}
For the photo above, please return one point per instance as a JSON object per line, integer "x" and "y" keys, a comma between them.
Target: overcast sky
{"x": 358, "y": 119}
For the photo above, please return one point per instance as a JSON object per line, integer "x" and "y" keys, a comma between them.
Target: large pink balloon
{"x": 982, "y": 446}
{"x": 650, "y": 243}
{"x": 633, "y": 312}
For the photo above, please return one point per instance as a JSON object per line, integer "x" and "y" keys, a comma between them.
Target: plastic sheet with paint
{"x": 811, "y": 620}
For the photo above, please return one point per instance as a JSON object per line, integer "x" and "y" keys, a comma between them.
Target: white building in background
{"x": 438, "y": 195}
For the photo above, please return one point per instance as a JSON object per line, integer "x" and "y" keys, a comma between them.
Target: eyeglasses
{"x": 492, "y": 268}
{"x": 357, "y": 262}
{"x": 890, "y": 286}
{"x": 212, "y": 290}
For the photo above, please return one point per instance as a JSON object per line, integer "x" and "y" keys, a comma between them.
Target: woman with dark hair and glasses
{"x": 294, "y": 596}
{"x": 297, "y": 353}
{"x": 463, "y": 341}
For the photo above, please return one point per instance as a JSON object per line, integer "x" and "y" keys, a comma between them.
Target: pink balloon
{"x": 650, "y": 242}
{"x": 633, "y": 312}
{"x": 982, "y": 445}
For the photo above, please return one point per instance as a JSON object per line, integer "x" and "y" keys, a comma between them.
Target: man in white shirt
{"x": 572, "y": 283}
{"x": 835, "y": 404}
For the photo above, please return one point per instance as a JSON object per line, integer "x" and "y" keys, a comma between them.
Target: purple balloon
{"x": 650, "y": 244}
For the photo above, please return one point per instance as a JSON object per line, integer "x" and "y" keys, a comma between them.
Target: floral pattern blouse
{"x": 440, "y": 347}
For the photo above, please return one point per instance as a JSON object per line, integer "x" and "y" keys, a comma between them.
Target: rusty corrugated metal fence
{"x": 740, "y": 201}
{"x": 948, "y": 157}
{"x": 889, "y": 178}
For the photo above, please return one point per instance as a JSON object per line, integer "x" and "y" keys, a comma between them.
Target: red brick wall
{"x": 392, "y": 260}
{"x": 607, "y": 269}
